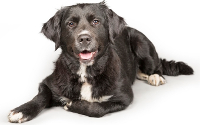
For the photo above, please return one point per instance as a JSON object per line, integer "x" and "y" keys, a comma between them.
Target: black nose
{"x": 84, "y": 39}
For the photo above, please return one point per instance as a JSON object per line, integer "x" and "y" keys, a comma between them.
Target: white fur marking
{"x": 84, "y": 32}
{"x": 142, "y": 76}
{"x": 86, "y": 94}
{"x": 65, "y": 107}
{"x": 16, "y": 117}
{"x": 104, "y": 98}
{"x": 162, "y": 80}
{"x": 90, "y": 63}
{"x": 82, "y": 72}
{"x": 67, "y": 103}
{"x": 156, "y": 80}
{"x": 86, "y": 89}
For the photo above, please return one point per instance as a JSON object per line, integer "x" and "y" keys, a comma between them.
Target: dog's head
{"x": 84, "y": 30}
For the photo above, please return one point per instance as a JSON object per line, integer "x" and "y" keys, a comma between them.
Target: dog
{"x": 100, "y": 59}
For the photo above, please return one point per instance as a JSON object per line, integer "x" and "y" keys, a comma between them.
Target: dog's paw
{"x": 16, "y": 117}
{"x": 156, "y": 80}
{"x": 68, "y": 104}
{"x": 64, "y": 100}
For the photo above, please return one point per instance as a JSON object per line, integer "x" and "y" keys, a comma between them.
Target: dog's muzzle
{"x": 84, "y": 40}
{"x": 86, "y": 45}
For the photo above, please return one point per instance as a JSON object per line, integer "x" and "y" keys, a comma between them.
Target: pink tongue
{"x": 85, "y": 55}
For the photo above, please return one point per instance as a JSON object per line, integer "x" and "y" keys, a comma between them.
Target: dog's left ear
{"x": 52, "y": 28}
{"x": 116, "y": 24}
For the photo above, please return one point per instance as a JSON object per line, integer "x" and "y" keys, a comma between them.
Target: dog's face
{"x": 84, "y": 31}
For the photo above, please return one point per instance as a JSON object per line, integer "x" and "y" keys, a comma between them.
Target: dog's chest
{"x": 86, "y": 88}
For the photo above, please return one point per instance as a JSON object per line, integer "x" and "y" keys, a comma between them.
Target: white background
{"x": 27, "y": 58}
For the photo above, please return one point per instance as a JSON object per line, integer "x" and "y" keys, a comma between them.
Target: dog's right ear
{"x": 52, "y": 28}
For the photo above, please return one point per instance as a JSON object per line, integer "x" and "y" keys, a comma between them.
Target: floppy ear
{"x": 116, "y": 24}
{"x": 52, "y": 28}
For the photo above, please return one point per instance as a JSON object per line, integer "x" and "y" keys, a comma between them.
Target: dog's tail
{"x": 173, "y": 68}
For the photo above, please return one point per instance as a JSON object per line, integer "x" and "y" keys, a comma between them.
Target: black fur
{"x": 122, "y": 50}
{"x": 173, "y": 68}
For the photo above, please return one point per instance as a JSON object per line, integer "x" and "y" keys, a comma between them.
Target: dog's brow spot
{"x": 84, "y": 32}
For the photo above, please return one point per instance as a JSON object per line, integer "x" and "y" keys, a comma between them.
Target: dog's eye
{"x": 95, "y": 22}
{"x": 71, "y": 24}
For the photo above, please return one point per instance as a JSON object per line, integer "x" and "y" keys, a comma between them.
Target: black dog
{"x": 101, "y": 57}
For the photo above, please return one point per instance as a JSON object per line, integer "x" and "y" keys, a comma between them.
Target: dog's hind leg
{"x": 32, "y": 108}
{"x": 153, "y": 79}
{"x": 149, "y": 64}
{"x": 142, "y": 76}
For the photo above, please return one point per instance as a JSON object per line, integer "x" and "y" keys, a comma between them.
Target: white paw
{"x": 16, "y": 117}
{"x": 156, "y": 80}
{"x": 67, "y": 105}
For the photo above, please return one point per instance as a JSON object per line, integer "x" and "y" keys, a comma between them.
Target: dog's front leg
{"x": 32, "y": 108}
{"x": 94, "y": 109}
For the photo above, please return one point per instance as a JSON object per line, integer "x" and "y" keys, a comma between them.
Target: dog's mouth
{"x": 87, "y": 55}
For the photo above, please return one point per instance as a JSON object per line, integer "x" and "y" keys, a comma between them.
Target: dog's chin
{"x": 87, "y": 57}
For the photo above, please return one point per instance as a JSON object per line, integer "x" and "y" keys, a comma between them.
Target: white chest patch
{"x": 86, "y": 89}
{"x": 82, "y": 72}
{"x": 86, "y": 94}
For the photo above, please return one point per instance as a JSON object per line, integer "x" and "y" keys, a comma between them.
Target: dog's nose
{"x": 84, "y": 39}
